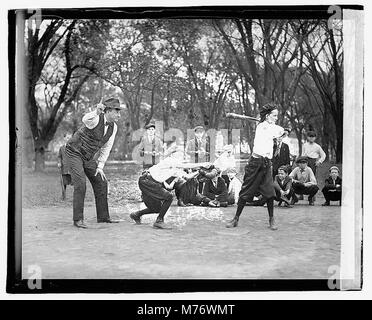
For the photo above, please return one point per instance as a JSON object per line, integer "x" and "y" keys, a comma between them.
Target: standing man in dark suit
{"x": 151, "y": 146}
{"x": 281, "y": 156}
{"x": 197, "y": 149}
{"x": 95, "y": 137}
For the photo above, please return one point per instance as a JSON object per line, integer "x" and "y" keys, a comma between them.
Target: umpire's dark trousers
{"x": 79, "y": 168}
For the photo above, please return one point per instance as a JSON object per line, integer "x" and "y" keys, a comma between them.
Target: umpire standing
{"x": 96, "y": 136}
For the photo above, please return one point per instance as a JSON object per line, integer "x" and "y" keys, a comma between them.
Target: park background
{"x": 184, "y": 73}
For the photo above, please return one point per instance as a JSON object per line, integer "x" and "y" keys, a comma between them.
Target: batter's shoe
{"x": 80, "y": 224}
{"x": 233, "y": 223}
{"x": 135, "y": 217}
{"x": 160, "y": 225}
{"x": 272, "y": 224}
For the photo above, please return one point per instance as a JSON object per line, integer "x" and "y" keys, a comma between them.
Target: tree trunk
{"x": 40, "y": 149}
{"x": 339, "y": 131}
{"x": 299, "y": 139}
{"x": 325, "y": 140}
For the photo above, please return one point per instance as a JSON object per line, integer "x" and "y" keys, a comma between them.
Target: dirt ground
{"x": 198, "y": 246}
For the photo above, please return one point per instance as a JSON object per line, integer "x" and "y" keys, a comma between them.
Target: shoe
{"x": 285, "y": 200}
{"x": 109, "y": 220}
{"x": 232, "y": 223}
{"x": 311, "y": 202}
{"x": 294, "y": 200}
{"x": 180, "y": 203}
{"x": 287, "y": 205}
{"x": 326, "y": 204}
{"x": 272, "y": 223}
{"x": 161, "y": 225}
{"x": 80, "y": 224}
{"x": 134, "y": 216}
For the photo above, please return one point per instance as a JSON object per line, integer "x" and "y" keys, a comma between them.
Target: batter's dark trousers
{"x": 79, "y": 168}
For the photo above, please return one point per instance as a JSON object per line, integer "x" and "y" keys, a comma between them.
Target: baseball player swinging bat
{"x": 240, "y": 116}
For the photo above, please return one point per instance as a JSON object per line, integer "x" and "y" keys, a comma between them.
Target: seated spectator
{"x": 281, "y": 156}
{"x": 226, "y": 160}
{"x": 303, "y": 181}
{"x": 332, "y": 187}
{"x": 215, "y": 192}
{"x": 283, "y": 186}
{"x": 187, "y": 192}
{"x": 233, "y": 185}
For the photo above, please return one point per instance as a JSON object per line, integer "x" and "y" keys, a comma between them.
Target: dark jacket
{"x": 198, "y": 151}
{"x": 329, "y": 185}
{"x": 62, "y": 160}
{"x": 87, "y": 142}
{"x": 216, "y": 193}
{"x": 147, "y": 148}
{"x": 285, "y": 184}
{"x": 282, "y": 159}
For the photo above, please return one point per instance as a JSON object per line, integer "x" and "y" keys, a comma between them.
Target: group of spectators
{"x": 293, "y": 176}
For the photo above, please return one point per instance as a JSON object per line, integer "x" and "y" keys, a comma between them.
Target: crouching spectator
{"x": 215, "y": 192}
{"x": 283, "y": 186}
{"x": 233, "y": 185}
{"x": 303, "y": 181}
{"x": 332, "y": 187}
{"x": 187, "y": 192}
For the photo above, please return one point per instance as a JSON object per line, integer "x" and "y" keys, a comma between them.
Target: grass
{"x": 44, "y": 189}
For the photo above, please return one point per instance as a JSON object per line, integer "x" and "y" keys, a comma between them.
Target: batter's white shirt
{"x": 264, "y": 139}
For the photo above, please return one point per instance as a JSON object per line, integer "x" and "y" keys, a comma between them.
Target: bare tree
{"x": 53, "y": 78}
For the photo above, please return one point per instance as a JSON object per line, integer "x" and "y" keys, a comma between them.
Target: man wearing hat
{"x": 303, "y": 181}
{"x": 156, "y": 184}
{"x": 86, "y": 155}
{"x": 151, "y": 146}
{"x": 197, "y": 147}
{"x": 281, "y": 155}
{"x": 332, "y": 187}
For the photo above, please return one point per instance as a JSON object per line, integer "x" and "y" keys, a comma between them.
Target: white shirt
{"x": 264, "y": 139}
{"x": 234, "y": 187}
{"x": 165, "y": 169}
{"x": 91, "y": 120}
{"x": 225, "y": 161}
{"x": 314, "y": 151}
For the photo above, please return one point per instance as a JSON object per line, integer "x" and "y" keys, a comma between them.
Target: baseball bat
{"x": 240, "y": 116}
